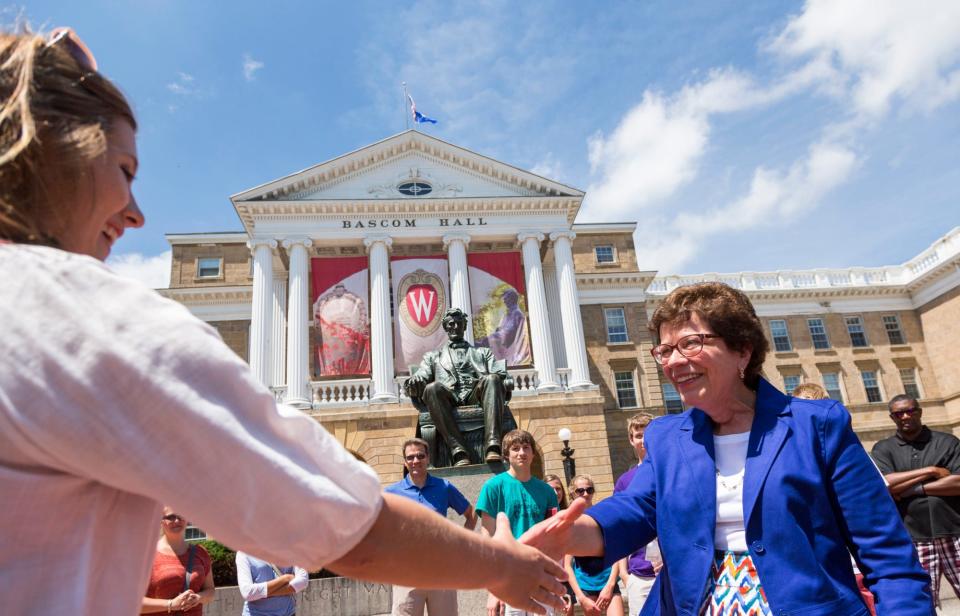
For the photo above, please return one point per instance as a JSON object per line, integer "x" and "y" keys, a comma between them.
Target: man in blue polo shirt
{"x": 439, "y": 495}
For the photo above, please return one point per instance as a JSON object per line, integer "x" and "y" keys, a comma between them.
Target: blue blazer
{"x": 810, "y": 494}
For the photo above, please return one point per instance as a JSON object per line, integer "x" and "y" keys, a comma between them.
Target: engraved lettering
{"x": 409, "y": 222}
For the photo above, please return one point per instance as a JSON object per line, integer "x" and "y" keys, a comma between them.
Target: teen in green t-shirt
{"x": 525, "y": 499}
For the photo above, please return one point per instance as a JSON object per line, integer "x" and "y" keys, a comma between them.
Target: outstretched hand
{"x": 530, "y": 580}
{"x": 553, "y": 535}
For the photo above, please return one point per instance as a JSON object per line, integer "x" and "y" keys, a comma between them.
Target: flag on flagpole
{"x": 417, "y": 116}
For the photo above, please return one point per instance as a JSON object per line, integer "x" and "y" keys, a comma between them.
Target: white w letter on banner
{"x": 422, "y": 306}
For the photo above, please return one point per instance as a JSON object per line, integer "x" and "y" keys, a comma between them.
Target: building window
{"x": 193, "y": 533}
{"x": 858, "y": 337}
{"x": 818, "y": 333}
{"x": 604, "y": 254}
{"x": 790, "y": 382}
{"x": 208, "y": 267}
{"x": 626, "y": 390}
{"x": 616, "y": 325}
{"x": 892, "y": 324}
{"x": 781, "y": 338}
{"x": 831, "y": 382}
{"x": 872, "y": 386}
{"x": 908, "y": 376}
{"x": 671, "y": 398}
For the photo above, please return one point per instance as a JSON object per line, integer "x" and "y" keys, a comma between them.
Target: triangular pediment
{"x": 409, "y": 165}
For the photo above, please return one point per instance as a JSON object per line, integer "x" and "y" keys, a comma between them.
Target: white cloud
{"x": 152, "y": 271}
{"x": 183, "y": 86}
{"x": 250, "y": 67}
{"x": 870, "y": 57}
{"x": 885, "y": 51}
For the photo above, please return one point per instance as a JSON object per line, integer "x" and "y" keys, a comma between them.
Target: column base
{"x": 549, "y": 388}
{"x": 582, "y": 386}
{"x": 385, "y": 398}
{"x": 298, "y": 403}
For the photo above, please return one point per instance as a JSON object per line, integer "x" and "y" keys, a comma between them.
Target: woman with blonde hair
{"x": 114, "y": 399}
{"x": 181, "y": 579}
{"x": 597, "y": 592}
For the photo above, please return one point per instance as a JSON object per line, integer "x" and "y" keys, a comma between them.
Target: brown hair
{"x": 563, "y": 493}
{"x": 729, "y": 313}
{"x": 54, "y": 119}
{"x": 518, "y": 437}
{"x": 419, "y": 442}
{"x": 809, "y": 391}
{"x": 639, "y": 420}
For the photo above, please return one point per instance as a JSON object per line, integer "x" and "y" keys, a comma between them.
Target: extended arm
{"x": 510, "y": 570}
{"x": 470, "y": 516}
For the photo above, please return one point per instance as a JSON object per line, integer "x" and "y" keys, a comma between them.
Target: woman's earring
{"x": 741, "y": 374}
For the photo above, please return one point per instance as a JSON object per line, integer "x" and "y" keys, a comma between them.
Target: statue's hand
{"x": 415, "y": 385}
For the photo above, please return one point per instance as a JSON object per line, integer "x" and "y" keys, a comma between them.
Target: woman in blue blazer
{"x": 757, "y": 499}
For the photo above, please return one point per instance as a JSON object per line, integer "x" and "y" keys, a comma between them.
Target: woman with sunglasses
{"x": 756, "y": 497}
{"x": 114, "y": 400}
{"x": 597, "y": 593}
{"x": 181, "y": 579}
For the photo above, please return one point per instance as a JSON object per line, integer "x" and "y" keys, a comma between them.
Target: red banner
{"x": 499, "y": 306}
{"x": 341, "y": 322}
{"x": 421, "y": 291}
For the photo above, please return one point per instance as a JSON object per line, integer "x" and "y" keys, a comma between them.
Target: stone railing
{"x": 279, "y": 392}
{"x": 563, "y": 376}
{"x": 525, "y": 381}
{"x": 942, "y": 251}
{"x": 347, "y": 392}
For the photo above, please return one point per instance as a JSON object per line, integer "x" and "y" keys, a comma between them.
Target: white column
{"x": 381, "y": 332}
{"x": 570, "y": 311}
{"x": 553, "y": 314}
{"x": 262, "y": 307}
{"x": 456, "y": 245}
{"x": 278, "y": 354}
{"x": 298, "y": 322}
{"x": 537, "y": 308}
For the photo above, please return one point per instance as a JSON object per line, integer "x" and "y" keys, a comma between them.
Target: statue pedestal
{"x": 469, "y": 480}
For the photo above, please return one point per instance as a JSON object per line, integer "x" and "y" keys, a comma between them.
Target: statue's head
{"x": 454, "y": 323}
{"x": 510, "y": 298}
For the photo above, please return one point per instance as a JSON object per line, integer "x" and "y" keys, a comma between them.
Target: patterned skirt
{"x": 734, "y": 587}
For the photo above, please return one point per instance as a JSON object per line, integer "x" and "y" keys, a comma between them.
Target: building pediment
{"x": 410, "y": 165}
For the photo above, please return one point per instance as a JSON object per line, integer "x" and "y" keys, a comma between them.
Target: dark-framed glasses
{"x": 584, "y": 491}
{"x": 174, "y": 517}
{"x": 688, "y": 346}
{"x": 67, "y": 39}
{"x": 903, "y": 413}
{"x": 415, "y": 456}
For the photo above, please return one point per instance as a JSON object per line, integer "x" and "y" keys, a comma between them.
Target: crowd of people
{"x": 118, "y": 408}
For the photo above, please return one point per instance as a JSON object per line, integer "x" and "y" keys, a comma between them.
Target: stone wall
{"x": 341, "y": 596}
{"x": 585, "y": 259}
{"x": 940, "y": 320}
{"x": 235, "y": 268}
{"x": 236, "y": 335}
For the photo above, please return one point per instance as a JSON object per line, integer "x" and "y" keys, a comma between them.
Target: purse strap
{"x": 186, "y": 575}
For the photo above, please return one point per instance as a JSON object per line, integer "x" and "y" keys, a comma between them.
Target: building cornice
{"x": 209, "y": 295}
{"x": 600, "y": 228}
{"x": 207, "y": 238}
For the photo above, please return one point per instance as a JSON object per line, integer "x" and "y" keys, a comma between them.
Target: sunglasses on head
{"x": 583, "y": 491}
{"x": 174, "y": 517}
{"x": 415, "y": 456}
{"x": 905, "y": 412}
{"x": 67, "y": 39}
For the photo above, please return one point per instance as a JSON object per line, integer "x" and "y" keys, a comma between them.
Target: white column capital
{"x": 523, "y": 236}
{"x": 372, "y": 240}
{"x": 290, "y": 242}
{"x": 256, "y": 242}
{"x": 570, "y": 235}
{"x": 455, "y": 237}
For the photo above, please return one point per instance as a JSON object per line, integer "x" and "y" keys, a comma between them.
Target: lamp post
{"x": 569, "y": 464}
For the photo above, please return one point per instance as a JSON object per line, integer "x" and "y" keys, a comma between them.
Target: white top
{"x": 731, "y": 457}
{"x": 252, "y": 591}
{"x": 113, "y": 401}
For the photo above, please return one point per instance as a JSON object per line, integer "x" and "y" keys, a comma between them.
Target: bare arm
{"x": 945, "y": 486}
{"x": 568, "y": 532}
{"x": 520, "y": 576}
{"x": 208, "y": 591}
{"x": 471, "y": 518}
{"x": 901, "y": 481}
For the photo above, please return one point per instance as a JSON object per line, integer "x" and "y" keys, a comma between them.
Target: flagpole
{"x": 406, "y": 116}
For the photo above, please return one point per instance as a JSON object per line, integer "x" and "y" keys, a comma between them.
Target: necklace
{"x": 731, "y": 487}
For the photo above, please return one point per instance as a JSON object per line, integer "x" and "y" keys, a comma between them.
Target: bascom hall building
{"x": 343, "y": 271}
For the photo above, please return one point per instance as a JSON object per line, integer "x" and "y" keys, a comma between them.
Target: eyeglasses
{"x": 71, "y": 43}
{"x": 905, "y": 412}
{"x": 174, "y": 517}
{"x": 688, "y": 346}
{"x": 415, "y": 456}
{"x": 582, "y": 491}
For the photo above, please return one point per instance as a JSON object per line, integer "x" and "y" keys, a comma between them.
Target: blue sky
{"x": 740, "y": 135}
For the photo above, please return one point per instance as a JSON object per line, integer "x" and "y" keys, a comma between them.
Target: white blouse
{"x": 731, "y": 458}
